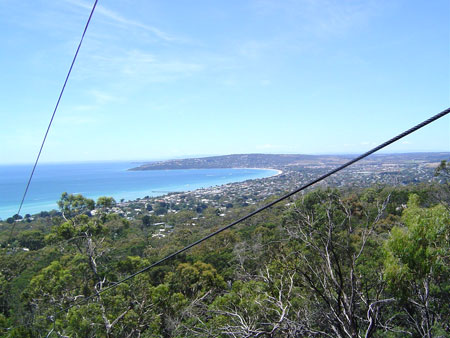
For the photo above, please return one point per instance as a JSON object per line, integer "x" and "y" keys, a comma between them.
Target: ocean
{"x": 104, "y": 179}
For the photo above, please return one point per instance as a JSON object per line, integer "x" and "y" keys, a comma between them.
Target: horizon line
{"x": 182, "y": 157}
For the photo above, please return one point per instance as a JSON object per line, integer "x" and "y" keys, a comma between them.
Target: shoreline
{"x": 278, "y": 171}
{"x": 35, "y": 207}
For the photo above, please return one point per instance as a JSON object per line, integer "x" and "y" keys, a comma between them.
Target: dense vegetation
{"x": 331, "y": 263}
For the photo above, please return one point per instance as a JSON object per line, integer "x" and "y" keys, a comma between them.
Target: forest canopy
{"x": 331, "y": 263}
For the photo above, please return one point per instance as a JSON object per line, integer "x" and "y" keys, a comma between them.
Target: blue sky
{"x": 163, "y": 79}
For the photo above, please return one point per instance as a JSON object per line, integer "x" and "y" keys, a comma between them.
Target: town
{"x": 381, "y": 170}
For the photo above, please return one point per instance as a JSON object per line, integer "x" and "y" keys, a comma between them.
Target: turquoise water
{"x": 104, "y": 179}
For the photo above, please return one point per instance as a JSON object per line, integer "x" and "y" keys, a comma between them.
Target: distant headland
{"x": 284, "y": 161}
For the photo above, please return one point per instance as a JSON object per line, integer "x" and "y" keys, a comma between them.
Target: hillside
{"x": 324, "y": 262}
{"x": 283, "y": 161}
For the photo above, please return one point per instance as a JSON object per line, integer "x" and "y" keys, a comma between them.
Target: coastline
{"x": 138, "y": 189}
{"x": 278, "y": 171}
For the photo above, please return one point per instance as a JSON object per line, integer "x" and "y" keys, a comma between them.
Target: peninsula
{"x": 287, "y": 162}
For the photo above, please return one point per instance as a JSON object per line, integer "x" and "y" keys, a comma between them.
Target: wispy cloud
{"x": 102, "y": 97}
{"x": 136, "y": 67}
{"x": 104, "y": 59}
{"x": 254, "y": 49}
{"x": 320, "y": 17}
{"x": 76, "y": 117}
{"x": 120, "y": 20}
{"x": 142, "y": 63}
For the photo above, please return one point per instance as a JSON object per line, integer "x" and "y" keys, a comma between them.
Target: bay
{"x": 95, "y": 179}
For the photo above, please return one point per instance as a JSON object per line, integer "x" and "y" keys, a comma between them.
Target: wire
{"x": 53, "y": 116}
{"x": 356, "y": 159}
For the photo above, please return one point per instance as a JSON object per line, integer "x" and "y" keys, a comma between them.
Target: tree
{"x": 333, "y": 251}
{"x": 17, "y": 217}
{"x": 31, "y": 239}
{"x": 264, "y": 306}
{"x": 418, "y": 268}
{"x": 443, "y": 171}
{"x": 105, "y": 203}
{"x": 146, "y": 220}
{"x": 442, "y": 175}
{"x": 73, "y": 205}
{"x": 78, "y": 274}
{"x": 194, "y": 279}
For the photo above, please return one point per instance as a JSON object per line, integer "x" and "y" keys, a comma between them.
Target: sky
{"x": 169, "y": 79}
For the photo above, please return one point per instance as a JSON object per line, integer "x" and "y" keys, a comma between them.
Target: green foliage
{"x": 72, "y": 205}
{"x": 417, "y": 265}
{"x": 194, "y": 279}
{"x": 421, "y": 248}
{"x": 245, "y": 298}
{"x": 443, "y": 171}
{"x": 371, "y": 263}
{"x": 105, "y": 202}
{"x": 146, "y": 220}
{"x": 31, "y": 239}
